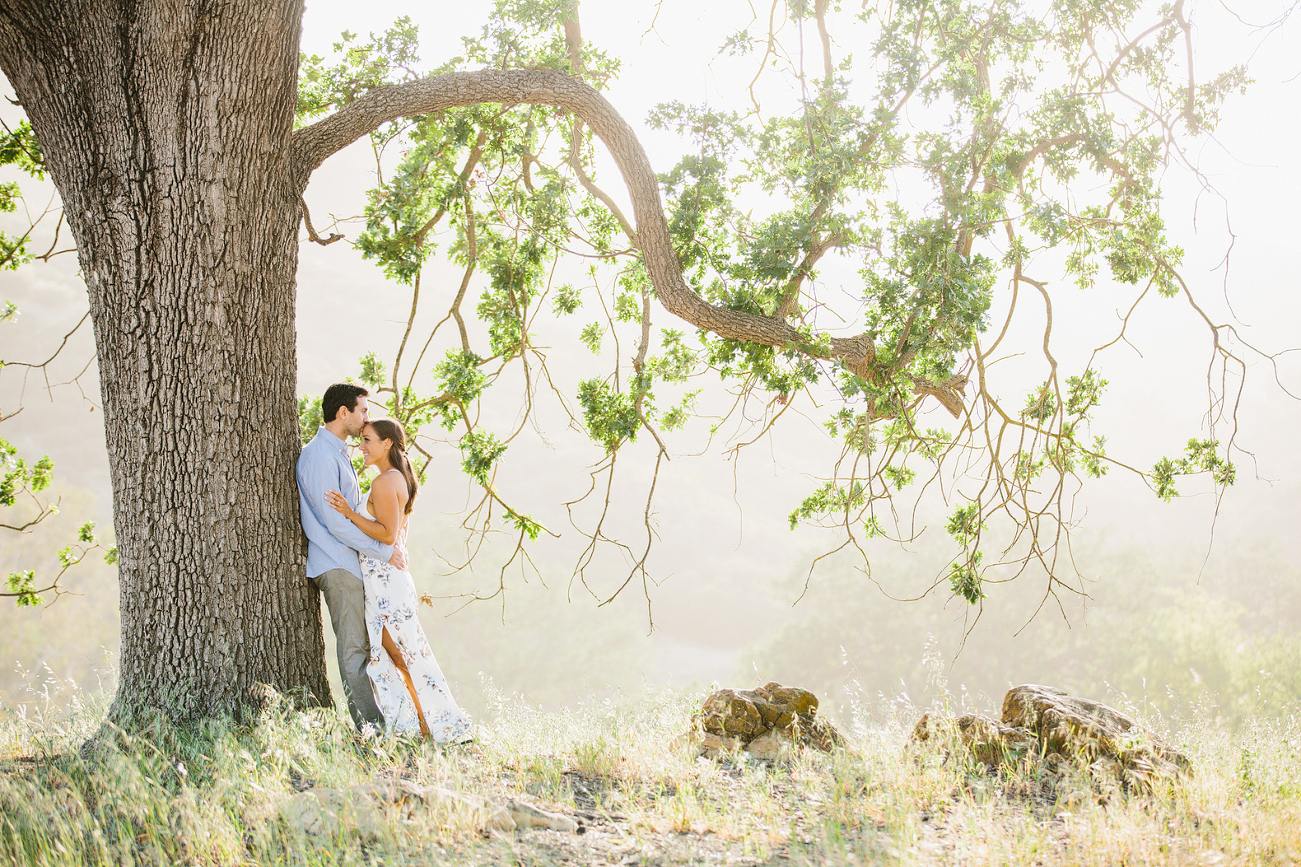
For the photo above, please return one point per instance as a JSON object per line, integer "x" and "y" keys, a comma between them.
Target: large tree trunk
{"x": 166, "y": 128}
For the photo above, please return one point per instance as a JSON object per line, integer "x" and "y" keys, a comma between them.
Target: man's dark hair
{"x": 341, "y": 395}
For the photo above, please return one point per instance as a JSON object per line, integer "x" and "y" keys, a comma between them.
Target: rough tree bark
{"x": 165, "y": 127}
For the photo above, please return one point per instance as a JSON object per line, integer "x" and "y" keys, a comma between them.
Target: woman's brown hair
{"x": 387, "y": 429}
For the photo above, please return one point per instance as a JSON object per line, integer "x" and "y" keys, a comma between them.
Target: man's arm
{"x": 318, "y": 473}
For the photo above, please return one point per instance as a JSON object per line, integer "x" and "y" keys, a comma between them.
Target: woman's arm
{"x": 385, "y": 494}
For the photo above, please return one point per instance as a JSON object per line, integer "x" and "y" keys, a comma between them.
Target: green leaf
{"x": 965, "y": 580}
{"x": 309, "y": 417}
{"x": 1199, "y": 457}
{"x": 459, "y": 377}
{"x": 610, "y": 416}
{"x": 1040, "y": 404}
{"x": 526, "y": 525}
{"x": 566, "y": 301}
{"x": 480, "y": 451}
{"x": 965, "y": 524}
{"x": 591, "y": 337}
{"x": 20, "y": 148}
{"x": 23, "y": 584}
{"x": 829, "y": 500}
{"x": 373, "y": 370}
{"x": 42, "y": 474}
{"x": 1083, "y": 393}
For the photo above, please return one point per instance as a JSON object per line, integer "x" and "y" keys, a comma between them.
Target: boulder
{"x": 1091, "y": 733}
{"x": 768, "y": 722}
{"x": 1055, "y": 729}
{"x": 990, "y": 742}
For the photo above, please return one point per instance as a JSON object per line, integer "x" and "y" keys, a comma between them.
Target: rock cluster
{"x": 364, "y": 810}
{"x": 769, "y": 721}
{"x": 1057, "y": 730}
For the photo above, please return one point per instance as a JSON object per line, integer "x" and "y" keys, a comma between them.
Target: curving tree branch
{"x": 314, "y": 143}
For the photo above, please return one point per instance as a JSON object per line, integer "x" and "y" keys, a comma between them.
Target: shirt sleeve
{"x": 320, "y": 474}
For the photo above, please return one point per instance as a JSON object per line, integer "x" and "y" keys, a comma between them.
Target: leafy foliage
{"x": 611, "y": 416}
{"x": 481, "y": 451}
{"x": 22, "y": 585}
{"x": 1200, "y": 456}
{"x": 961, "y": 143}
{"x": 20, "y": 149}
{"x": 16, "y": 477}
{"x": 362, "y": 66}
{"x": 309, "y": 417}
{"x": 22, "y": 481}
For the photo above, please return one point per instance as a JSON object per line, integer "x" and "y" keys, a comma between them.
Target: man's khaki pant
{"x": 347, "y": 603}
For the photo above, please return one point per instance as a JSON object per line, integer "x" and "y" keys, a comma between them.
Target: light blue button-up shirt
{"x": 332, "y": 540}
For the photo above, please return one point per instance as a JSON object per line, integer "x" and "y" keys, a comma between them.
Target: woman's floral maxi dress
{"x": 391, "y": 602}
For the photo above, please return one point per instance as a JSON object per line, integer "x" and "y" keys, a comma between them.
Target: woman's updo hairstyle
{"x": 387, "y": 429}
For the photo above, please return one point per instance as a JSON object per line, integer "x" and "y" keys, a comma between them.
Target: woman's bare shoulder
{"x": 390, "y": 481}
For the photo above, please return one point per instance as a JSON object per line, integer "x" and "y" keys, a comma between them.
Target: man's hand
{"x": 399, "y": 559}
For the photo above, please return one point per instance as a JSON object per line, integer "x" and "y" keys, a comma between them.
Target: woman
{"x": 409, "y": 686}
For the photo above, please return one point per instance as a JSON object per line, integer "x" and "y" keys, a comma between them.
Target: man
{"x": 333, "y": 541}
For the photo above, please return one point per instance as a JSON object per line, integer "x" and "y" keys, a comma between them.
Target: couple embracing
{"x": 357, "y": 558}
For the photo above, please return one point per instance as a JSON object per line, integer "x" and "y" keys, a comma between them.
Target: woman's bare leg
{"x": 396, "y": 656}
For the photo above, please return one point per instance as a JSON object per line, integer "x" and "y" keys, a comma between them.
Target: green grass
{"x": 171, "y": 796}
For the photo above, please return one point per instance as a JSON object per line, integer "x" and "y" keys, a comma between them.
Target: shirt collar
{"x": 322, "y": 433}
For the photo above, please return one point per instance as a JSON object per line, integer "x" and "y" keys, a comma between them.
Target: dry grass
{"x": 210, "y": 797}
